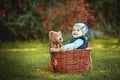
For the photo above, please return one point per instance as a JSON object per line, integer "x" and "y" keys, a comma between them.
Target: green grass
{"x": 30, "y": 61}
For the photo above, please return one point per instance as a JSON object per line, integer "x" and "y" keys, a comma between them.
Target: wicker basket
{"x": 70, "y": 61}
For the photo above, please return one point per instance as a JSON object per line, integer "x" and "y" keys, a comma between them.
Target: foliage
{"x": 21, "y": 20}
{"x": 33, "y": 19}
{"x": 65, "y": 14}
{"x": 28, "y": 19}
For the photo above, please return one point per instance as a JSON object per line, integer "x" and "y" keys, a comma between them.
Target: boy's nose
{"x": 75, "y": 31}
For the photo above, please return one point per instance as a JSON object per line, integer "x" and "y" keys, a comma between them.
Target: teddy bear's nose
{"x": 60, "y": 39}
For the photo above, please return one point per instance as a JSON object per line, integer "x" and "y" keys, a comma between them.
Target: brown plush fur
{"x": 55, "y": 42}
{"x": 55, "y": 39}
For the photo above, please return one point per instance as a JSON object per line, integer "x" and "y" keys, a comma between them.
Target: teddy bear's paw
{"x": 54, "y": 49}
{"x": 62, "y": 50}
{"x": 88, "y": 48}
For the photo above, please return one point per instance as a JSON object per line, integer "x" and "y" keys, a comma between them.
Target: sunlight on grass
{"x": 105, "y": 44}
{"x": 113, "y": 46}
{"x": 99, "y": 46}
{"x": 115, "y": 41}
{"x": 18, "y": 49}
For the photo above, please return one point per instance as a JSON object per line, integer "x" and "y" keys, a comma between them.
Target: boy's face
{"x": 76, "y": 32}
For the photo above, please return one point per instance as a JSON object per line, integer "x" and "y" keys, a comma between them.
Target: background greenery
{"x": 33, "y": 19}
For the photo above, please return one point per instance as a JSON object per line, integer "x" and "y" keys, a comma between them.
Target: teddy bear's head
{"x": 55, "y": 37}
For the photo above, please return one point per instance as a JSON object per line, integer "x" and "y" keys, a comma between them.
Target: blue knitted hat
{"x": 82, "y": 26}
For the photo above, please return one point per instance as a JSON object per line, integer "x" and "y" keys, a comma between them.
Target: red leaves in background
{"x": 68, "y": 13}
{"x": 2, "y": 13}
{"x": 63, "y": 16}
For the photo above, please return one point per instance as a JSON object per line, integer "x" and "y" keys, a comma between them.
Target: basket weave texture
{"x": 70, "y": 61}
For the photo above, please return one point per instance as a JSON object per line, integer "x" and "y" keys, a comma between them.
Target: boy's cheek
{"x": 79, "y": 35}
{"x": 75, "y": 36}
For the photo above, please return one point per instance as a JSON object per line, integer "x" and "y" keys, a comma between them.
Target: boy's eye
{"x": 78, "y": 30}
{"x": 73, "y": 29}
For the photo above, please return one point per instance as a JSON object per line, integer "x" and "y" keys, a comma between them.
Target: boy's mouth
{"x": 75, "y": 34}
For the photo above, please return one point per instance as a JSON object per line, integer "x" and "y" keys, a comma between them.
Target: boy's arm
{"x": 74, "y": 45}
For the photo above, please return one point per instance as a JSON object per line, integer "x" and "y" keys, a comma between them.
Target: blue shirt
{"x": 76, "y": 43}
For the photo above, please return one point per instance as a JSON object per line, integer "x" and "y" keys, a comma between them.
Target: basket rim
{"x": 86, "y": 49}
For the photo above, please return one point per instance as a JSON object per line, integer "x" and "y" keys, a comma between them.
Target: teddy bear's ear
{"x": 50, "y": 33}
{"x": 59, "y": 32}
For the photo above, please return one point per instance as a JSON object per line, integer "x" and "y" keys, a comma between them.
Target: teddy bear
{"x": 55, "y": 43}
{"x": 56, "y": 39}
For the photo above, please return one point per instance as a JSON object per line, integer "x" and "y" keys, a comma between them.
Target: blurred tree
{"x": 63, "y": 14}
{"x": 32, "y": 19}
{"x": 108, "y": 13}
{"x": 21, "y": 18}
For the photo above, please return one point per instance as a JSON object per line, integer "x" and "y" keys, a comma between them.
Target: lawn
{"x": 30, "y": 61}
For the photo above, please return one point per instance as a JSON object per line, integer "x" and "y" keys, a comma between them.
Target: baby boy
{"x": 79, "y": 40}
